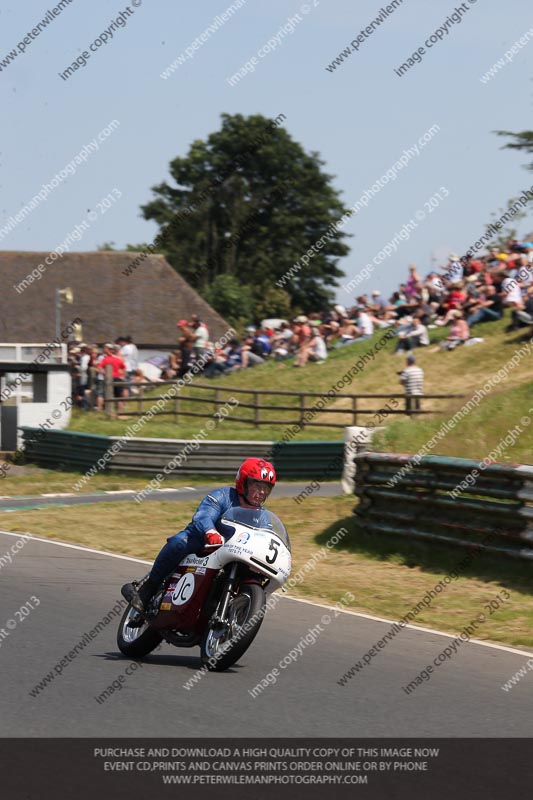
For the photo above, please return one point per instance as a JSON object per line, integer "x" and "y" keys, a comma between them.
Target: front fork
{"x": 220, "y": 618}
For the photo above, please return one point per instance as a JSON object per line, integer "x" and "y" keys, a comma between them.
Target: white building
{"x": 35, "y": 389}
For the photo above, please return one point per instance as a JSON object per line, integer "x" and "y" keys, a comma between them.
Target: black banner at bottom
{"x": 264, "y": 768}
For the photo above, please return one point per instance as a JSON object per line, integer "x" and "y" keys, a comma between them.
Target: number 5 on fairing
{"x": 274, "y": 545}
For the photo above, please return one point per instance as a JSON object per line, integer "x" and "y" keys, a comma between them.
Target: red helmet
{"x": 256, "y": 469}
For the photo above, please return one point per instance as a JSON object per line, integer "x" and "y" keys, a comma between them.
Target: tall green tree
{"x": 249, "y": 202}
{"x": 522, "y": 141}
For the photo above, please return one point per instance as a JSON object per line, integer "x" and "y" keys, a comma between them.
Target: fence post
{"x": 109, "y": 402}
{"x": 354, "y": 410}
{"x": 302, "y": 409}
{"x": 256, "y": 409}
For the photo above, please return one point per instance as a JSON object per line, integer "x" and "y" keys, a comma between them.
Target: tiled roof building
{"x": 145, "y": 304}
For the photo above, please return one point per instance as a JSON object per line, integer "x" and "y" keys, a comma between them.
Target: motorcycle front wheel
{"x": 136, "y": 642}
{"x": 224, "y": 643}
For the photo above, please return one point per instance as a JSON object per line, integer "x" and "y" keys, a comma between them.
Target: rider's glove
{"x": 212, "y": 540}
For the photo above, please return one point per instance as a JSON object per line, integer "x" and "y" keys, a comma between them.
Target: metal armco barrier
{"x": 412, "y": 499}
{"x": 72, "y": 450}
{"x": 66, "y": 449}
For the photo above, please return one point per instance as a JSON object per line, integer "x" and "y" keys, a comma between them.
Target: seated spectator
{"x": 413, "y": 335}
{"x": 347, "y": 332}
{"x": 170, "y": 367}
{"x": 459, "y": 332}
{"x": 251, "y": 352}
{"x": 526, "y": 314}
{"x": 314, "y": 350}
{"x": 365, "y": 326}
{"x": 511, "y": 292}
{"x": 263, "y": 340}
{"x": 137, "y": 378}
{"x": 454, "y": 269}
{"x": 487, "y": 307}
{"x": 281, "y": 342}
{"x": 399, "y": 302}
{"x": 233, "y": 356}
{"x": 380, "y": 313}
{"x": 412, "y": 281}
{"x": 302, "y": 334}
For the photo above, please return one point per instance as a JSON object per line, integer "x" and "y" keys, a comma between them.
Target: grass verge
{"x": 22, "y": 481}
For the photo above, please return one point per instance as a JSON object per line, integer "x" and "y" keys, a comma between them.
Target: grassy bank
{"x": 462, "y": 371}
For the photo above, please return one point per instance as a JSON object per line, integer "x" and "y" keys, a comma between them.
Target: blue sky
{"x": 360, "y": 117}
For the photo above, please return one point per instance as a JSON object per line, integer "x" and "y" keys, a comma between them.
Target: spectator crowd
{"x": 458, "y": 296}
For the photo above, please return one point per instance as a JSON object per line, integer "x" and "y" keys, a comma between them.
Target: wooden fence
{"x": 255, "y": 404}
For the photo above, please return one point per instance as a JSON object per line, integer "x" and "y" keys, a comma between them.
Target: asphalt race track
{"x": 123, "y": 495}
{"x": 77, "y": 588}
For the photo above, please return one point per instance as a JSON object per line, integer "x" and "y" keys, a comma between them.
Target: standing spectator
{"x": 130, "y": 354}
{"x": 200, "y": 333}
{"x": 412, "y": 378}
{"x": 186, "y": 340}
{"x": 84, "y": 364}
{"x": 118, "y": 370}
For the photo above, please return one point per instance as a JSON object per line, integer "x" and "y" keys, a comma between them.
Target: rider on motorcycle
{"x": 255, "y": 480}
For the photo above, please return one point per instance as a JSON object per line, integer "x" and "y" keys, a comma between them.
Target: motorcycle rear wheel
{"x": 136, "y": 642}
{"x": 222, "y": 648}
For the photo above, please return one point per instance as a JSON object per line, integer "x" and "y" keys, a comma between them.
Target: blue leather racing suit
{"x": 191, "y": 540}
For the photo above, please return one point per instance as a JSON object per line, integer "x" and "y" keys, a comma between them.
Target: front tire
{"x": 136, "y": 642}
{"x": 221, "y": 648}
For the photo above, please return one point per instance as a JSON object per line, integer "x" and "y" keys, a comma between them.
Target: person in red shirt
{"x": 118, "y": 369}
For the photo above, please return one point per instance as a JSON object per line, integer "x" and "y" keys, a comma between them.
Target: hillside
{"x": 463, "y": 371}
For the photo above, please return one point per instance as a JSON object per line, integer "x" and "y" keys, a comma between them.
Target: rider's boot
{"x": 139, "y": 598}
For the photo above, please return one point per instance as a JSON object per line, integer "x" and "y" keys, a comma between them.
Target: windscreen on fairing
{"x": 258, "y": 518}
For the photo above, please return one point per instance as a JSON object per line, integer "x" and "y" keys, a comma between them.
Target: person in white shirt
{"x": 201, "y": 337}
{"x": 512, "y": 293}
{"x": 130, "y": 355}
{"x": 364, "y": 325}
{"x": 416, "y": 335}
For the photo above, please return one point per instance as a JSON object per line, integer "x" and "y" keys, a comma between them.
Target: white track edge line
{"x": 284, "y": 597}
